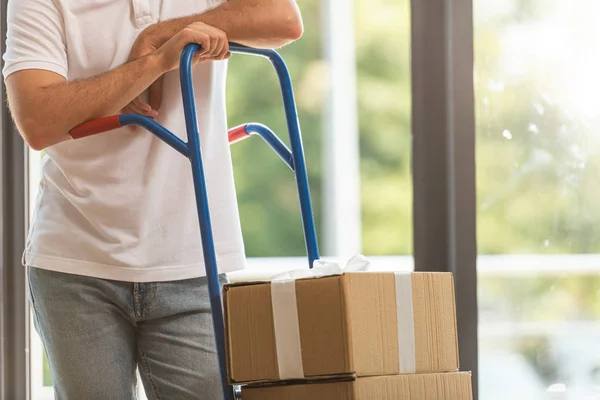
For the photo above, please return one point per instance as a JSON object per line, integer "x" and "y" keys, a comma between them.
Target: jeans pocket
{"x": 30, "y": 297}
{"x": 31, "y": 271}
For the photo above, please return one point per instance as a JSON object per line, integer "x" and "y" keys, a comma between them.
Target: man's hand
{"x": 213, "y": 43}
{"x": 142, "y": 48}
{"x": 254, "y": 23}
{"x": 214, "y": 47}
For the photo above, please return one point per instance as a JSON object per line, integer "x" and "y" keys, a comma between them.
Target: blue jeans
{"x": 97, "y": 332}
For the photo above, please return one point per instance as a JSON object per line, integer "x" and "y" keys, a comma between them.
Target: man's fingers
{"x": 219, "y": 49}
{"x": 224, "y": 53}
{"x": 215, "y": 44}
{"x": 220, "y": 44}
{"x": 142, "y": 108}
{"x": 155, "y": 94}
{"x": 212, "y": 40}
{"x": 204, "y": 35}
{"x": 203, "y": 40}
{"x": 216, "y": 47}
{"x": 138, "y": 104}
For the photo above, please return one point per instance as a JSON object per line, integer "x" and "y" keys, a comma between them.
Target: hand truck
{"x": 294, "y": 159}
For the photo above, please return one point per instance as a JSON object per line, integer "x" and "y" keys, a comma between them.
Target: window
{"x": 536, "y": 80}
{"x": 374, "y": 93}
{"x": 384, "y": 109}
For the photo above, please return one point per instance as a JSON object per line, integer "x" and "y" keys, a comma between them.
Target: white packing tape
{"x": 287, "y": 329}
{"x": 285, "y": 311}
{"x": 406, "y": 323}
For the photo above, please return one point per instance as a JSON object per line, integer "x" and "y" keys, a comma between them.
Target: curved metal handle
{"x": 95, "y": 126}
{"x": 206, "y": 233}
{"x": 293, "y": 125}
{"x": 237, "y": 134}
{"x": 242, "y": 132}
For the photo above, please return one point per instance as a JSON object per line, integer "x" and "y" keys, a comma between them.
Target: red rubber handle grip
{"x": 238, "y": 133}
{"x": 95, "y": 126}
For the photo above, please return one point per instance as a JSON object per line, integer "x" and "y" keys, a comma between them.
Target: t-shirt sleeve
{"x": 35, "y": 37}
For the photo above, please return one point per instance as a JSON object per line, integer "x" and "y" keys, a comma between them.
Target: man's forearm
{"x": 255, "y": 23}
{"x": 87, "y": 99}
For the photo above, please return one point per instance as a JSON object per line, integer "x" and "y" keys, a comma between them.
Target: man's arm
{"x": 46, "y": 107}
{"x": 254, "y": 23}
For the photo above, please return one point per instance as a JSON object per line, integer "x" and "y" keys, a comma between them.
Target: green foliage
{"x": 266, "y": 188}
{"x": 537, "y": 154}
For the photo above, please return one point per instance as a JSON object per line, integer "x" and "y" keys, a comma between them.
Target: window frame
{"x": 443, "y": 132}
{"x": 342, "y": 227}
{"x": 14, "y": 310}
{"x": 443, "y": 162}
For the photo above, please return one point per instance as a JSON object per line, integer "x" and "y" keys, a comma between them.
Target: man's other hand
{"x": 214, "y": 45}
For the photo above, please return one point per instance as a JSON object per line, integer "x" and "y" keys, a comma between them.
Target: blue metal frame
{"x": 293, "y": 126}
{"x": 208, "y": 245}
{"x": 294, "y": 159}
{"x": 158, "y": 130}
{"x": 272, "y": 140}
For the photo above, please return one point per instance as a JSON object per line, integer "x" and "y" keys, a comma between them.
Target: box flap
{"x": 314, "y": 391}
{"x": 371, "y": 307}
{"x": 263, "y": 282}
{"x": 323, "y": 327}
{"x": 436, "y": 340}
{"x": 250, "y": 333}
{"x": 371, "y": 303}
{"x": 441, "y": 386}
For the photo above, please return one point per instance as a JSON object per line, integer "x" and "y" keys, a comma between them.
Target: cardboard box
{"x": 354, "y": 324}
{"x": 448, "y": 386}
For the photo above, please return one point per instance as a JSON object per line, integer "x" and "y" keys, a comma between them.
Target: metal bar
{"x": 461, "y": 176}
{"x": 208, "y": 246}
{"x": 237, "y": 134}
{"x": 444, "y": 156}
{"x": 291, "y": 113}
{"x": 14, "y": 311}
{"x": 293, "y": 125}
{"x": 273, "y": 141}
{"x": 157, "y": 130}
{"x": 14, "y": 352}
{"x": 14, "y": 361}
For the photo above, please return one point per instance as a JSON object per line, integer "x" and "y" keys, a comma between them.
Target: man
{"x": 114, "y": 256}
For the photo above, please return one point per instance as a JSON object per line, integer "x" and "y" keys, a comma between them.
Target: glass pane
{"x": 383, "y": 78}
{"x": 266, "y": 189}
{"x": 538, "y": 163}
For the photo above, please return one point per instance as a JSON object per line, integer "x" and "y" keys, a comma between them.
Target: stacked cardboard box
{"x": 447, "y": 386}
{"x": 360, "y": 335}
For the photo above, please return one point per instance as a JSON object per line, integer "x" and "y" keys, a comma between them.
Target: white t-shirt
{"x": 121, "y": 205}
